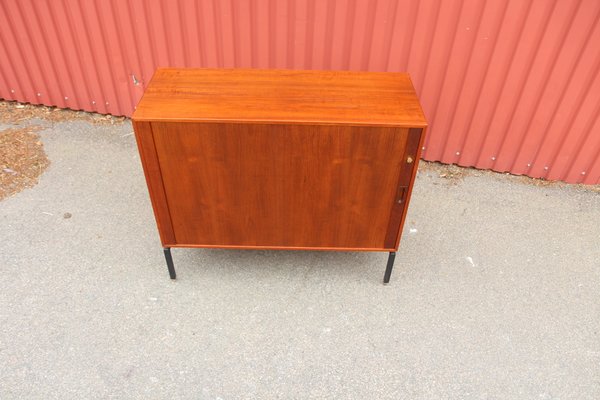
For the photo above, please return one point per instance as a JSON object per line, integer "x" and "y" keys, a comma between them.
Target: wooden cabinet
{"x": 278, "y": 159}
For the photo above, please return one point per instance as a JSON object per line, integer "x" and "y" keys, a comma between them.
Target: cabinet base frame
{"x": 386, "y": 276}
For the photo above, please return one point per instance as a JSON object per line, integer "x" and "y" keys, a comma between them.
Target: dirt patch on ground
{"x": 22, "y": 159}
{"x": 22, "y": 155}
{"x": 12, "y": 112}
{"x": 454, "y": 174}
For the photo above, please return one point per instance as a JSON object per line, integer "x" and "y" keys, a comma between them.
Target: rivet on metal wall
{"x": 582, "y": 172}
{"x": 423, "y": 148}
{"x": 458, "y": 153}
{"x": 528, "y": 165}
{"x": 106, "y": 103}
{"x": 93, "y": 101}
{"x": 546, "y": 168}
{"x": 39, "y": 94}
{"x": 493, "y": 158}
{"x": 12, "y": 90}
{"x": 66, "y": 98}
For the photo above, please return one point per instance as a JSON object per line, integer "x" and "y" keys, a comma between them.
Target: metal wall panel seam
{"x": 457, "y": 94}
{"x": 583, "y": 94}
{"x": 509, "y": 121}
{"x": 507, "y": 67}
{"x": 539, "y": 95}
{"x": 467, "y": 131}
{"x": 424, "y": 67}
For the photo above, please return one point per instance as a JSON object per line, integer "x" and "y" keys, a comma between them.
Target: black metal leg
{"x": 388, "y": 269}
{"x": 170, "y": 262}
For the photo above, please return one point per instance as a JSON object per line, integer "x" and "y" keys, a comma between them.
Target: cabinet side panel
{"x": 289, "y": 186}
{"x": 409, "y": 166}
{"x": 148, "y": 156}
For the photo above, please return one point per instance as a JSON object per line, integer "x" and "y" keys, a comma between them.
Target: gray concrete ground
{"x": 495, "y": 295}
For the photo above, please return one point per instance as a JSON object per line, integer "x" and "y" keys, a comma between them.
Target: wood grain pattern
{"x": 152, "y": 172}
{"x": 280, "y": 159}
{"x": 281, "y": 96}
{"x": 292, "y": 186}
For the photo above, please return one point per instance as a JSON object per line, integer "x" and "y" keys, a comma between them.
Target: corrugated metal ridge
{"x": 506, "y": 85}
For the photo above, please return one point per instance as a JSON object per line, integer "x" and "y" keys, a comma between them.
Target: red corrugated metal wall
{"x": 508, "y": 85}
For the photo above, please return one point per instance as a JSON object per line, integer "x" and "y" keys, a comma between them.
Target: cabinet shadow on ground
{"x": 193, "y": 263}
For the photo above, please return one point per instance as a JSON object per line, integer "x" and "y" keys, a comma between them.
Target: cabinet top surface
{"x": 281, "y": 96}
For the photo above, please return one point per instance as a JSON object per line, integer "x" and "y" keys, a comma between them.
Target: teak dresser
{"x": 279, "y": 159}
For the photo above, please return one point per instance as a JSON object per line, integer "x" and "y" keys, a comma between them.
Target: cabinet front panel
{"x": 280, "y": 185}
